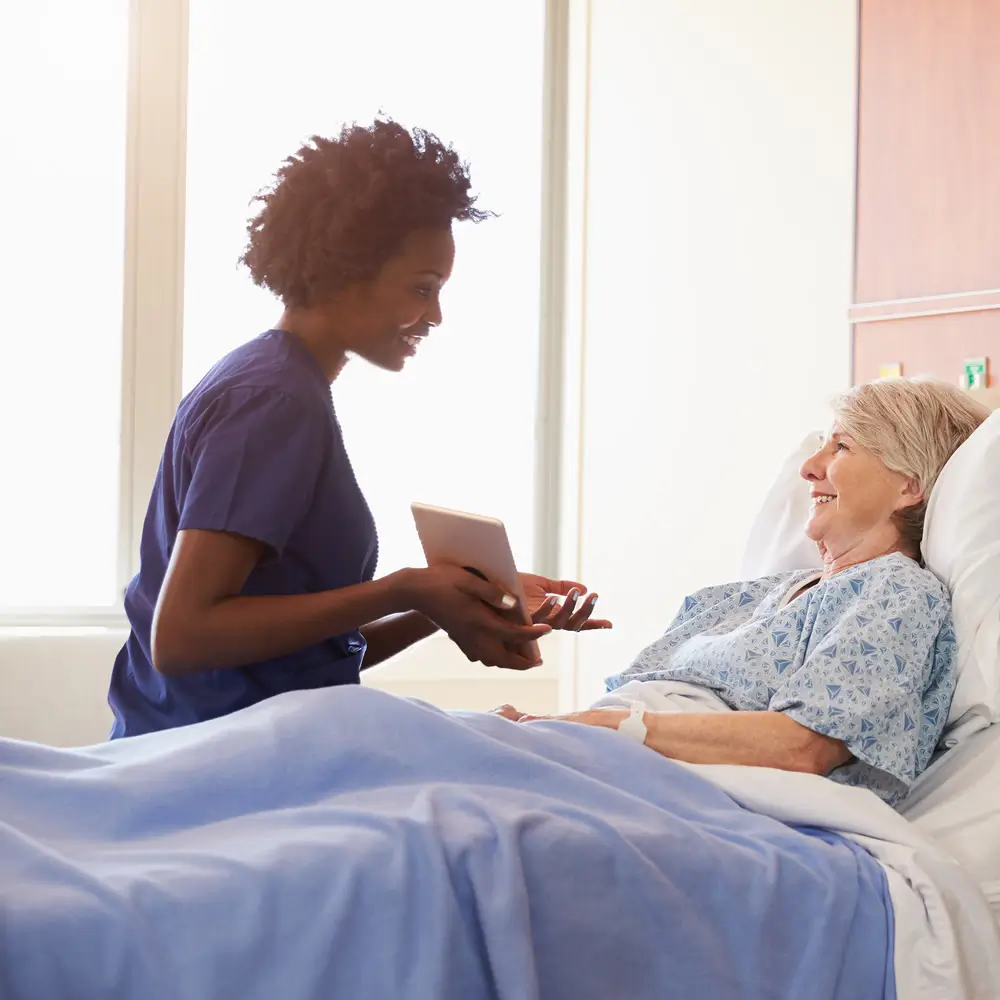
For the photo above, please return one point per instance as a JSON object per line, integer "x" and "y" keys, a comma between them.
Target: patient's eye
{"x": 840, "y": 446}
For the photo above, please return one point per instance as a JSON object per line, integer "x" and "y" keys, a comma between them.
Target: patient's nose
{"x": 814, "y": 468}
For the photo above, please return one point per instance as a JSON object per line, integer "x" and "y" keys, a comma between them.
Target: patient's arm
{"x": 760, "y": 739}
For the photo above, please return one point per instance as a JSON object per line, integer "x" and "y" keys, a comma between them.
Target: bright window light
{"x": 62, "y": 168}
{"x": 457, "y": 428}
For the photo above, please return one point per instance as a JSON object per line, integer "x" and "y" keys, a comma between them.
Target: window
{"x": 457, "y": 428}
{"x": 140, "y": 131}
{"x": 62, "y": 169}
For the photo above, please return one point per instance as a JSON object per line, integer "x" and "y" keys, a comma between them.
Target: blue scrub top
{"x": 255, "y": 449}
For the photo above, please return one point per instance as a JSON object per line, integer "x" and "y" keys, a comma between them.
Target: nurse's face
{"x": 388, "y": 317}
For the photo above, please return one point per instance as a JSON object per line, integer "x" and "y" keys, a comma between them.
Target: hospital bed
{"x": 956, "y": 802}
{"x": 347, "y": 843}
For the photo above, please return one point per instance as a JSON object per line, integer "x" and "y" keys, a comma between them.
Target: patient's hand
{"x": 542, "y": 596}
{"x": 508, "y": 712}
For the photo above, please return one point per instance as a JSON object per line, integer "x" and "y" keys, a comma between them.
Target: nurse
{"x": 258, "y": 550}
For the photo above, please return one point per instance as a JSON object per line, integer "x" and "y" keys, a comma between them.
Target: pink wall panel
{"x": 927, "y": 266}
{"x": 928, "y": 345}
{"x": 928, "y": 148}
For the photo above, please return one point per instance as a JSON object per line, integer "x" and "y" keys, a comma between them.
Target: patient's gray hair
{"x": 913, "y": 425}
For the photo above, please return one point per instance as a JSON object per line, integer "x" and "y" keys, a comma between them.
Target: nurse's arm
{"x": 389, "y": 636}
{"x": 202, "y": 621}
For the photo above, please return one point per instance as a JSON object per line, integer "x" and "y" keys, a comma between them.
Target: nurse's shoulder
{"x": 272, "y": 378}
{"x": 275, "y": 361}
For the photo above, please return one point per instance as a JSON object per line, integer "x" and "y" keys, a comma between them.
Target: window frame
{"x": 153, "y": 291}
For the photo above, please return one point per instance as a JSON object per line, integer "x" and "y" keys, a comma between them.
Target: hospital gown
{"x": 866, "y": 656}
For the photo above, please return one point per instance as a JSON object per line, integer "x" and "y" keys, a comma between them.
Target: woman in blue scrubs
{"x": 258, "y": 550}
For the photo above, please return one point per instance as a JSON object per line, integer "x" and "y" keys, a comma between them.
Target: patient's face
{"x": 854, "y": 496}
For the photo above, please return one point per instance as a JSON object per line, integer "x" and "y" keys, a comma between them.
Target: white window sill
{"x": 437, "y": 658}
{"x": 58, "y": 620}
{"x": 54, "y": 681}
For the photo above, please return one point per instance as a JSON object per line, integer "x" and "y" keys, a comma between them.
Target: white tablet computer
{"x": 476, "y": 543}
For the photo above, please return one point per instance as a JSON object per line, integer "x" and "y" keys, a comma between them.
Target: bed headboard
{"x": 988, "y": 397}
{"x": 938, "y": 344}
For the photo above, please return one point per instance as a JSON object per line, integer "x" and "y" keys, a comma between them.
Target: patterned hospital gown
{"x": 866, "y": 656}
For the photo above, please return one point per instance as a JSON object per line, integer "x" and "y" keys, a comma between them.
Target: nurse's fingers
{"x": 484, "y": 647}
{"x": 581, "y": 620}
{"x": 476, "y": 585}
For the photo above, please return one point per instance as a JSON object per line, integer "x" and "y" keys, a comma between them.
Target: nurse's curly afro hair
{"x": 338, "y": 209}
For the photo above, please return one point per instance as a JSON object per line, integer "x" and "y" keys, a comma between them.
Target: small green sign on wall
{"x": 975, "y": 373}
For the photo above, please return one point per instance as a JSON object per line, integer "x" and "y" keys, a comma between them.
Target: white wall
{"x": 719, "y": 258}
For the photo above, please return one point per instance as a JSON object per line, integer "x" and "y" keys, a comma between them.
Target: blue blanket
{"x": 346, "y": 843}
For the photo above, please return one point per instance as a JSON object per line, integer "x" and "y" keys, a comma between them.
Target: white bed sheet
{"x": 957, "y": 803}
{"x": 945, "y": 943}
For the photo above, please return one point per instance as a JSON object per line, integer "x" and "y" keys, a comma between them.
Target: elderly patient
{"x": 848, "y": 672}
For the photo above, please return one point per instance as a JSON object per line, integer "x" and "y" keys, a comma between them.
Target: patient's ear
{"x": 912, "y": 493}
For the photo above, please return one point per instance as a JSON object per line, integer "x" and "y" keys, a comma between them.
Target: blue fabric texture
{"x": 345, "y": 843}
{"x": 866, "y": 656}
{"x": 255, "y": 450}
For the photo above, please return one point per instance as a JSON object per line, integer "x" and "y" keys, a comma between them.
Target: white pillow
{"x": 962, "y": 547}
{"x": 778, "y": 542}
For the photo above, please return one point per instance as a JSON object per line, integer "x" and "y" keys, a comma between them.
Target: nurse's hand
{"x": 476, "y": 614}
{"x": 542, "y": 596}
